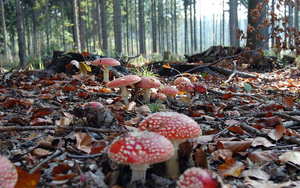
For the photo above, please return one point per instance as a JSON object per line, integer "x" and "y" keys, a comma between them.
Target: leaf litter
{"x": 250, "y": 129}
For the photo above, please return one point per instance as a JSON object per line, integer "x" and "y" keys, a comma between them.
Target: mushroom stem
{"x": 124, "y": 94}
{"x": 138, "y": 173}
{"x": 146, "y": 95}
{"x": 188, "y": 94}
{"x": 172, "y": 164}
{"x": 105, "y": 73}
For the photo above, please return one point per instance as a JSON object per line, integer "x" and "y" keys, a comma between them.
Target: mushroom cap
{"x": 159, "y": 95}
{"x": 169, "y": 90}
{"x": 172, "y": 125}
{"x": 106, "y": 61}
{"x": 198, "y": 177}
{"x": 178, "y": 80}
{"x": 186, "y": 86}
{"x": 123, "y": 81}
{"x": 148, "y": 82}
{"x": 8, "y": 173}
{"x": 94, "y": 104}
{"x": 140, "y": 148}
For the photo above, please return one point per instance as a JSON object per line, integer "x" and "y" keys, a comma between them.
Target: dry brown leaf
{"x": 234, "y": 146}
{"x": 27, "y": 180}
{"x": 38, "y": 152}
{"x": 276, "y": 133}
{"x": 256, "y": 173}
{"x": 261, "y": 141}
{"x": 230, "y": 168}
{"x": 288, "y": 103}
{"x": 201, "y": 158}
{"x": 221, "y": 153}
{"x": 263, "y": 184}
{"x": 83, "y": 141}
{"x": 262, "y": 156}
{"x": 290, "y": 156}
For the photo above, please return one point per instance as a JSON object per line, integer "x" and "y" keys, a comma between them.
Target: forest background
{"x": 132, "y": 27}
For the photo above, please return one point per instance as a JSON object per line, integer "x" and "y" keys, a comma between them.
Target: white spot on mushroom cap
{"x": 8, "y": 173}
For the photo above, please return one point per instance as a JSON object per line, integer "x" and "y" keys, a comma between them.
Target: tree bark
{"x": 63, "y": 25}
{"x": 75, "y": 22}
{"x": 104, "y": 25}
{"x": 296, "y": 15}
{"x": 47, "y": 24}
{"x": 3, "y": 29}
{"x": 118, "y": 26}
{"x": 233, "y": 22}
{"x": 98, "y": 28}
{"x": 21, "y": 35}
{"x": 154, "y": 30}
{"x": 82, "y": 27}
{"x": 142, "y": 27}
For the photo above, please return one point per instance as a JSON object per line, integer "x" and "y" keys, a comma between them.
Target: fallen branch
{"x": 236, "y": 94}
{"x": 53, "y": 127}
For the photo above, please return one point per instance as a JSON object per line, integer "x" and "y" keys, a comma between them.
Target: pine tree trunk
{"x": 75, "y": 22}
{"x": 104, "y": 25}
{"x": 233, "y": 22}
{"x": 3, "y": 28}
{"x": 21, "y": 35}
{"x": 117, "y": 26}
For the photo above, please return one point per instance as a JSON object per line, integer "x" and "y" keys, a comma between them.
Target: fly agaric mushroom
{"x": 169, "y": 91}
{"x": 94, "y": 105}
{"x": 179, "y": 80}
{"x": 146, "y": 84}
{"x": 187, "y": 87}
{"x": 177, "y": 128}
{"x": 198, "y": 177}
{"x": 105, "y": 62}
{"x": 139, "y": 149}
{"x": 122, "y": 83}
{"x": 159, "y": 96}
{"x": 8, "y": 173}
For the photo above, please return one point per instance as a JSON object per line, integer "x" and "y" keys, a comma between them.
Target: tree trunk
{"x": 98, "y": 28}
{"x": 154, "y": 31}
{"x": 142, "y": 27}
{"x": 3, "y": 29}
{"x": 233, "y": 22}
{"x": 185, "y": 4}
{"x": 104, "y": 25}
{"x": 200, "y": 24}
{"x": 75, "y": 22}
{"x": 272, "y": 26}
{"x": 296, "y": 20}
{"x": 127, "y": 27}
{"x": 191, "y": 26}
{"x": 47, "y": 24}
{"x": 21, "y": 35}
{"x": 175, "y": 26}
{"x": 136, "y": 26}
{"x": 118, "y": 26}
{"x": 63, "y": 25}
{"x": 82, "y": 27}
{"x": 195, "y": 27}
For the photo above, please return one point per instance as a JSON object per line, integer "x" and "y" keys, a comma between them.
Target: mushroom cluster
{"x": 139, "y": 150}
{"x": 177, "y": 128}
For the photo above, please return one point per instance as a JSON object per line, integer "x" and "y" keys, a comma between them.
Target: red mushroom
{"x": 106, "y": 62}
{"x": 8, "y": 173}
{"x": 94, "y": 105}
{"x": 177, "y": 128}
{"x": 200, "y": 178}
{"x": 122, "y": 83}
{"x": 169, "y": 91}
{"x": 139, "y": 149}
{"x": 146, "y": 84}
{"x": 187, "y": 87}
{"x": 179, "y": 80}
{"x": 159, "y": 96}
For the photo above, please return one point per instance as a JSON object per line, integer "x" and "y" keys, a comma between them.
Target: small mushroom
{"x": 146, "y": 84}
{"x": 105, "y": 63}
{"x": 8, "y": 173}
{"x": 198, "y": 177}
{"x": 94, "y": 105}
{"x": 179, "y": 80}
{"x": 122, "y": 83}
{"x": 139, "y": 150}
{"x": 187, "y": 87}
{"x": 159, "y": 96}
{"x": 169, "y": 91}
{"x": 177, "y": 128}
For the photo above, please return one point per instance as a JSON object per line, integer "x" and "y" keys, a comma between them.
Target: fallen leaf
{"x": 83, "y": 141}
{"x": 227, "y": 96}
{"x": 10, "y": 102}
{"x": 277, "y": 133}
{"x": 288, "y": 103}
{"x": 234, "y": 146}
{"x": 230, "y": 168}
{"x": 261, "y": 141}
{"x": 256, "y": 173}
{"x": 61, "y": 168}
{"x": 262, "y": 156}
{"x": 221, "y": 154}
{"x": 290, "y": 156}
{"x": 26, "y": 180}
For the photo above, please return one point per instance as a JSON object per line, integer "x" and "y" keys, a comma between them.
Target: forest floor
{"x": 250, "y": 126}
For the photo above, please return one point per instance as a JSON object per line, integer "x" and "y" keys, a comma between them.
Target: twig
{"x": 55, "y": 154}
{"x": 233, "y": 73}
{"x": 84, "y": 156}
{"x": 53, "y": 127}
{"x": 236, "y": 94}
